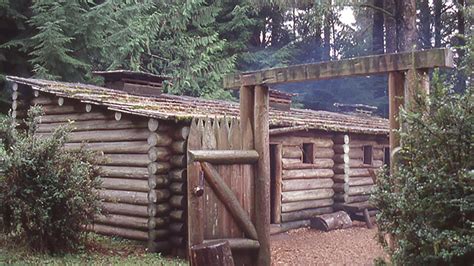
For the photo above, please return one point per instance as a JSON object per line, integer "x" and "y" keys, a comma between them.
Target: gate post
{"x": 254, "y": 105}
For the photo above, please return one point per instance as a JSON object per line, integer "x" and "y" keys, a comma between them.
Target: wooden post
{"x": 262, "y": 178}
{"x": 213, "y": 253}
{"x": 396, "y": 84}
{"x": 276, "y": 205}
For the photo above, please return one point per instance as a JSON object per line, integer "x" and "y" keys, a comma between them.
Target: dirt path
{"x": 354, "y": 246}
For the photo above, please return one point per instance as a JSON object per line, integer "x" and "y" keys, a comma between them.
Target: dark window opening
{"x": 386, "y": 156}
{"x": 308, "y": 153}
{"x": 367, "y": 154}
{"x": 273, "y": 157}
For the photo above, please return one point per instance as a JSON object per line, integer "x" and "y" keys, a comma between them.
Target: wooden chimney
{"x": 280, "y": 100}
{"x": 138, "y": 83}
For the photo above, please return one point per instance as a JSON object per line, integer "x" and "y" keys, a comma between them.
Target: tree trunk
{"x": 327, "y": 35}
{"x": 215, "y": 253}
{"x": 377, "y": 29}
{"x": 407, "y": 25}
{"x": 438, "y": 7}
{"x": 331, "y": 221}
{"x": 425, "y": 19}
{"x": 390, "y": 27}
{"x": 461, "y": 42}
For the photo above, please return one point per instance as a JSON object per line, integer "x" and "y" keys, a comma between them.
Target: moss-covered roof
{"x": 171, "y": 107}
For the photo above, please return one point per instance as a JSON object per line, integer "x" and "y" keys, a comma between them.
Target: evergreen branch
{"x": 367, "y": 5}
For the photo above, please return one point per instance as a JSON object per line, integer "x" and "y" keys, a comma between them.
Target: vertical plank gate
{"x": 221, "y": 194}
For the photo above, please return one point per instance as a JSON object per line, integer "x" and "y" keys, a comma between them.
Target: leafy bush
{"x": 428, "y": 203}
{"x": 47, "y": 195}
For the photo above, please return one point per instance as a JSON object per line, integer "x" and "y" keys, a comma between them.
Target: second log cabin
{"x": 318, "y": 159}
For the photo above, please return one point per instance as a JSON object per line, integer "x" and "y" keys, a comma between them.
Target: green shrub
{"x": 47, "y": 195}
{"x": 428, "y": 203}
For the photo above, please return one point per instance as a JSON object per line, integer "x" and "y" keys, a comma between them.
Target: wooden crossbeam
{"x": 224, "y": 156}
{"x": 369, "y": 65}
{"x": 228, "y": 198}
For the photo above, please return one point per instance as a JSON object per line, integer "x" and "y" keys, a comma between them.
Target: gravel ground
{"x": 353, "y": 246}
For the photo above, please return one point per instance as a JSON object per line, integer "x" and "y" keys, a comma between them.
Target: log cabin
{"x": 318, "y": 160}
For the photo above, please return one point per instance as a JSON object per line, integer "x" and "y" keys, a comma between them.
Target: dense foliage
{"x": 47, "y": 194}
{"x": 428, "y": 203}
{"x": 198, "y": 42}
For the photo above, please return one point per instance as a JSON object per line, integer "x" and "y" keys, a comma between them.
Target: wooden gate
{"x": 221, "y": 194}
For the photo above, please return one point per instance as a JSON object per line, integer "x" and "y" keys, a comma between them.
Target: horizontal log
{"x": 177, "y": 228}
{"x": 368, "y": 65}
{"x": 341, "y": 169}
{"x": 124, "y": 160}
{"x": 76, "y": 117}
{"x": 305, "y": 184}
{"x": 158, "y": 181}
{"x": 157, "y": 222}
{"x": 126, "y": 209}
{"x": 121, "y": 196}
{"x": 350, "y": 199}
{"x": 54, "y": 109}
{"x": 341, "y": 139}
{"x": 238, "y": 243}
{"x": 340, "y": 187}
{"x": 158, "y": 195}
{"x": 134, "y": 147}
{"x": 158, "y": 209}
{"x": 331, "y": 221}
{"x": 178, "y": 201}
{"x": 341, "y": 178}
{"x": 318, "y": 163}
{"x": 178, "y": 147}
{"x": 158, "y": 234}
{"x": 292, "y": 196}
{"x": 178, "y": 175}
{"x": 323, "y": 153}
{"x": 178, "y": 160}
{"x": 360, "y": 190}
{"x": 158, "y": 154}
{"x": 43, "y": 100}
{"x": 377, "y": 163}
{"x": 124, "y": 184}
{"x": 105, "y": 135}
{"x": 181, "y": 133}
{"x": 341, "y": 158}
{"x": 155, "y": 168}
{"x": 91, "y": 125}
{"x": 159, "y": 139}
{"x": 224, "y": 156}
{"x": 124, "y": 172}
{"x": 292, "y": 152}
{"x": 290, "y": 161}
{"x": 121, "y": 232}
{"x": 122, "y": 221}
{"x": 177, "y": 215}
{"x": 283, "y": 227}
{"x": 307, "y": 204}
{"x": 341, "y": 149}
{"x": 307, "y": 173}
{"x": 360, "y": 181}
{"x": 359, "y": 172}
{"x": 322, "y": 141}
{"x": 304, "y": 214}
{"x": 356, "y": 154}
{"x": 178, "y": 188}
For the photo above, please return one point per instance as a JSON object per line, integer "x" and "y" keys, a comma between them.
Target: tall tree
{"x": 437, "y": 7}
{"x": 407, "y": 36}
{"x": 390, "y": 23}
{"x": 425, "y": 24}
{"x": 377, "y": 28}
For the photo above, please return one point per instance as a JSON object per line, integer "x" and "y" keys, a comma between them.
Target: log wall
{"x": 142, "y": 168}
{"x": 306, "y": 188}
{"x": 353, "y": 181}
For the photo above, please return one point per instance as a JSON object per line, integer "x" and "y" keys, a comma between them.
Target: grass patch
{"x": 97, "y": 250}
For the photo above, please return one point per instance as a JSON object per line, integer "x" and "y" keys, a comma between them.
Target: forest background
{"x": 197, "y": 42}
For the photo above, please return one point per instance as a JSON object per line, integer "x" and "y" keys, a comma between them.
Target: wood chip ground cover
{"x": 353, "y": 246}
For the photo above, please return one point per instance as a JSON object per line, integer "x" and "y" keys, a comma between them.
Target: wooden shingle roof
{"x": 171, "y": 107}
